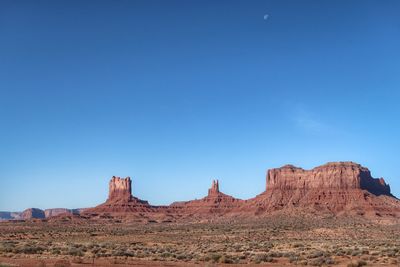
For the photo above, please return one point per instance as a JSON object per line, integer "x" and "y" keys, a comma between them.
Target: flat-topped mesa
{"x": 120, "y": 189}
{"x": 214, "y": 190}
{"x": 333, "y": 176}
{"x": 32, "y": 213}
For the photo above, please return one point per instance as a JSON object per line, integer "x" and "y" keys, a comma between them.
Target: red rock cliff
{"x": 339, "y": 187}
{"x": 333, "y": 176}
{"x": 120, "y": 189}
{"x": 120, "y": 199}
{"x": 214, "y": 190}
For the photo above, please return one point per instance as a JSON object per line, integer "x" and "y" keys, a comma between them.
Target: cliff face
{"x": 32, "y": 214}
{"x": 332, "y": 176}
{"x": 8, "y": 215}
{"x": 120, "y": 189}
{"x": 214, "y": 190}
{"x": 58, "y": 211}
{"x": 338, "y": 187}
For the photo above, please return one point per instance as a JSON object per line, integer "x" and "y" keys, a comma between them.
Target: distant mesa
{"x": 32, "y": 214}
{"x": 35, "y": 213}
{"x": 60, "y": 211}
{"x": 8, "y": 215}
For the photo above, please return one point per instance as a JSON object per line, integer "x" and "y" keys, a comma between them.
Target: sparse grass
{"x": 309, "y": 242}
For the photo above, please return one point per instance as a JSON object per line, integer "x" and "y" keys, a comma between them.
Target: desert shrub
{"x": 355, "y": 253}
{"x": 55, "y": 251}
{"x": 316, "y": 254}
{"x": 262, "y": 258}
{"x": 316, "y": 262}
{"x": 77, "y": 260}
{"x": 75, "y": 252}
{"x": 181, "y": 257}
{"x": 166, "y": 255}
{"x": 297, "y": 245}
{"x": 215, "y": 257}
{"x": 225, "y": 259}
{"x": 30, "y": 249}
{"x": 293, "y": 258}
{"x": 357, "y": 263}
{"x": 62, "y": 263}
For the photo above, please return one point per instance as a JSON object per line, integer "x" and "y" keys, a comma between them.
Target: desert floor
{"x": 270, "y": 241}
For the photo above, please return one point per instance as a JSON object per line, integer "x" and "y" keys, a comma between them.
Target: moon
{"x": 266, "y": 16}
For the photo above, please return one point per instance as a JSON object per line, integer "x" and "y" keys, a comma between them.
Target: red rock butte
{"x": 120, "y": 199}
{"x": 339, "y": 188}
{"x": 120, "y": 189}
{"x": 332, "y": 176}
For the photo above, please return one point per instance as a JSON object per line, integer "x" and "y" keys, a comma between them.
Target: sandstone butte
{"x": 120, "y": 199}
{"x": 339, "y": 188}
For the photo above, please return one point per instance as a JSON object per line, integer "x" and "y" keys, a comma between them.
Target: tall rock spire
{"x": 214, "y": 190}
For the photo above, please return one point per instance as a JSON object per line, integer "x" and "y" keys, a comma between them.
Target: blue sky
{"x": 176, "y": 93}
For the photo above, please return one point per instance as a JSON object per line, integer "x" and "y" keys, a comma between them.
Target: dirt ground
{"x": 269, "y": 241}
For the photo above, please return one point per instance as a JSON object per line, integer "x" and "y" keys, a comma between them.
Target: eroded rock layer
{"x": 32, "y": 213}
{"x": 340, "y": 187}
{"x": 214, "y": 202}
{"x": 337, "y": 188}
{"x": 333, "y": 176}
{"x": 120, "y": 199}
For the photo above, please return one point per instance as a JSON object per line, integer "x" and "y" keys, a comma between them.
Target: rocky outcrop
{"x": 59, "y": 211}
{"x": 120, "y": 199}
{"x": 332, "y": 176}
{"x": 120, "y": 189}
{"x": 32, "y": 213}
{"x": 214, "y": 190}
{"x": 339, "y": 187}
{"x": 8, "y": 215}
{"x": 215, "y": 202}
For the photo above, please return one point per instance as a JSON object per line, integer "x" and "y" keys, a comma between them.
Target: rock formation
{"x": 337, "y": 187}
{"x": 215, "y": 202}
{"x": 214, "y": 190}
{"x": 332, "y": 176}
{"x": 8, "y": 215}
{"x": 340, "y": 188}
{"x": 58, "y": 211}
{"x": 32, "y": 213}
{"x": 120, "y": 189}
{"x": 120, "y": 199}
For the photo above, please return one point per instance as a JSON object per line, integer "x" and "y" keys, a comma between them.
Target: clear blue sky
{"x": 176, "y": 93}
